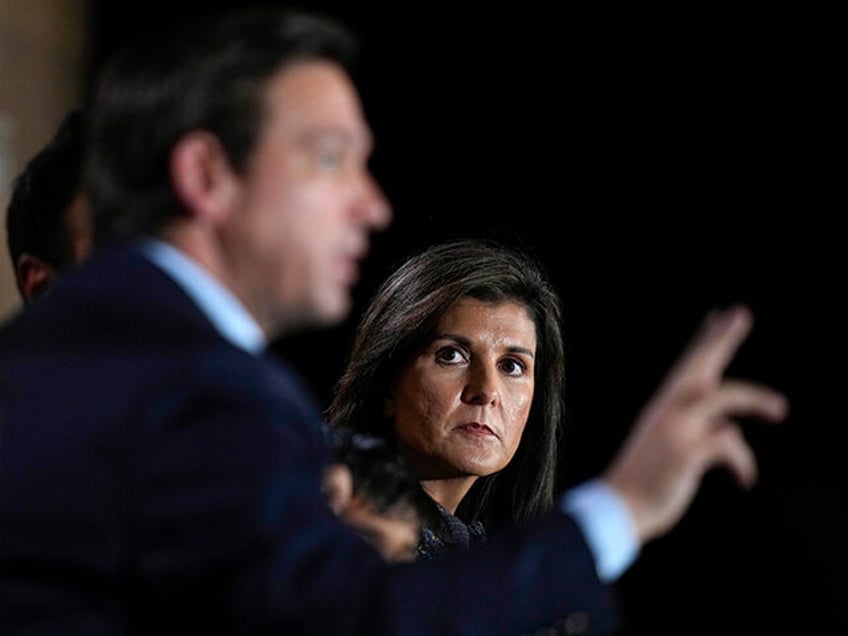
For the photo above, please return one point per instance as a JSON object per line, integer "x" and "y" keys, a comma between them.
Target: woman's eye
{"x": 449, "y": 355}
{"x": 511, "y": 366}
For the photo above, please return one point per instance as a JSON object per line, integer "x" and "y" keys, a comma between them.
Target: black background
{"x": 659, "y": 163}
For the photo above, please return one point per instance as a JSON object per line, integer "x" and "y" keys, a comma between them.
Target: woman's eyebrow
{"x": 465, "y": 342}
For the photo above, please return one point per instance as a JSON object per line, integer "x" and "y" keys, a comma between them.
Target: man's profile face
{"x": 35, "y": 274}
{"x": 306, "y": 202}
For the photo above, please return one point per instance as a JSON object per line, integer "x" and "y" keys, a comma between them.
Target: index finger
{"x": 713, "y": 347}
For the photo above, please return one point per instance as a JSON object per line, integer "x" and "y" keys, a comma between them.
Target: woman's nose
{"x": 482, "y": 386}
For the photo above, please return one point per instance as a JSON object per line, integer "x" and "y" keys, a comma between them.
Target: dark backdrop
{"x": 659, "y": 164}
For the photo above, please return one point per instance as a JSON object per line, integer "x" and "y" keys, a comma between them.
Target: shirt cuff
{"x": 606, "y": 523}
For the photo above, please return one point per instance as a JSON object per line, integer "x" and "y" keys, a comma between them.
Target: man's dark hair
{"x": 41, "y": 194}
{"x": 380, "y": 474}
{"x": 208, "y": 75}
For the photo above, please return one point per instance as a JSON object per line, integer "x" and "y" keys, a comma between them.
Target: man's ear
{"x": 202, "y": 177}
{"x": 337, "y": 484}
{"x": 34, "y": 276}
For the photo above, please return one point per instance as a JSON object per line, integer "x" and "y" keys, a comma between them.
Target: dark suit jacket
{"x": 155, "y": 479}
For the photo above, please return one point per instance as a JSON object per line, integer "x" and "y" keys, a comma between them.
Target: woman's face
{"x": 461, "y": 403}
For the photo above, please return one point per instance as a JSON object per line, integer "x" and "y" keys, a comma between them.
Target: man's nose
{"x": 372, "y": 206}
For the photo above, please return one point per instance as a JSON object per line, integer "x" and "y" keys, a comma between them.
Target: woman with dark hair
{"x": 459, "y": 360}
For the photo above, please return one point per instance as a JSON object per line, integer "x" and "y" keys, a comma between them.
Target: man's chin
{"x": 328, "y": 312}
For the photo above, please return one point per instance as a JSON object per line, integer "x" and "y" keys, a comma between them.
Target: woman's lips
{"x": 475, "y": 428}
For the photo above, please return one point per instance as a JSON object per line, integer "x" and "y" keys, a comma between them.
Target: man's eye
{"x": 329, "y": 160}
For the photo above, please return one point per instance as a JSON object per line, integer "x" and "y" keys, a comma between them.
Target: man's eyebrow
{"x": 337, "y": 135}
{"x": 323, "y": 135}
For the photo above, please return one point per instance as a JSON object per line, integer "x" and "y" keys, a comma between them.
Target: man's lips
{"x": 349, "y": 267}
{"x": 350, "y": 262}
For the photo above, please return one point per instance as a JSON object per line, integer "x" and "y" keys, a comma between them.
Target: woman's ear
{"x": 203, "y": 179}
{"x": 337, "y": 484}
{"x": 389, "y": 407}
